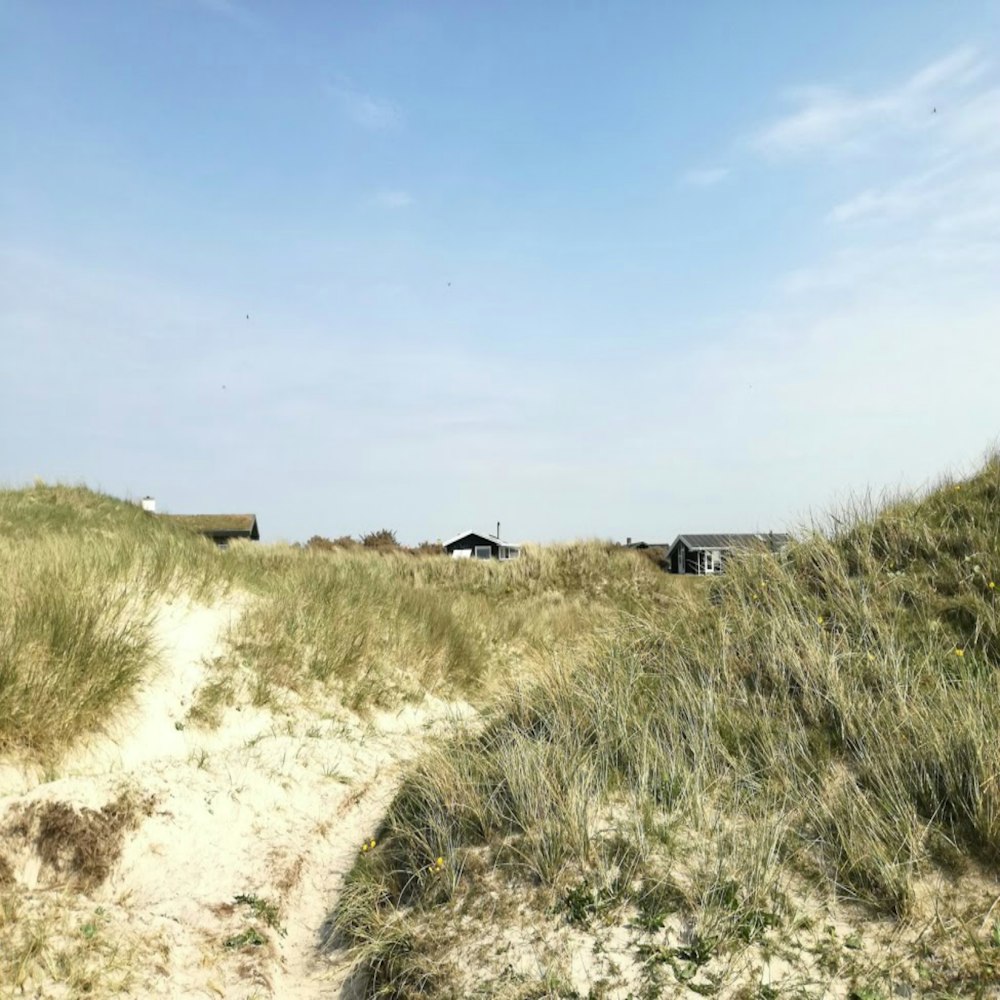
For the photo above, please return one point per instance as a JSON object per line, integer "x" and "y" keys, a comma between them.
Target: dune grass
{"x": 79, "y": 577}
{"x": 377, "y": 629}
{"x": 796, "y": 761}
{"x": 819, "y": 737}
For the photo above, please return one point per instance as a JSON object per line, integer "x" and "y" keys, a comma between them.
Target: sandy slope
{"x": 274, "y": 807}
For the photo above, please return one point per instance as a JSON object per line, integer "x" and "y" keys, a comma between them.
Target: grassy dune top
{"x": 82, "y": 573}
{"x": 790, "y": 789}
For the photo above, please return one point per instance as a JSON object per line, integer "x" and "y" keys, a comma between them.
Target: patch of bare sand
{"x": 246, "y": 830}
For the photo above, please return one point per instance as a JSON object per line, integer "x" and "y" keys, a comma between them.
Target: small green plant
{"x": 580, "y": 903}
{"x": 698, "y": 950}
{"x": 261, "y": 908}
{"x": 249, "y": 938}
{"x": 866, "y": 993}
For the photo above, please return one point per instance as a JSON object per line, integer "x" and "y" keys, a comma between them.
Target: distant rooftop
{"x": 728, "y": 541}
{"x": 218, "y": 525}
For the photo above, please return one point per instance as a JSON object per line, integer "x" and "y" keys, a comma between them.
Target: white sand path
{"x": 264, "y": 805}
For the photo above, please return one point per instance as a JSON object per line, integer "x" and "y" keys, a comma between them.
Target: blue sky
{"x": 586, "y": 269}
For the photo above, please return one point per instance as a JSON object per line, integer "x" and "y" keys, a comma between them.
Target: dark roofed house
{"x": 473, "y": 545}
{"x": 706, "y": 554}
{"x": 221, "y": 528}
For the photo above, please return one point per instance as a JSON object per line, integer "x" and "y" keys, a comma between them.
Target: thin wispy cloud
{"x": 945, "y": 175}
{"x": 910, "y": 278}
{"x": 373, "y": 113}
{"x": 705, "y": 177}
{"x": 896, "y": 201}
{"x": 229, "y": 9}
{"x": 832, "y": 119}
{"x": 393, "y": 199}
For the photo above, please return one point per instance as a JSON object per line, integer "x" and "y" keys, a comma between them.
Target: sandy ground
{"x": 274, "y": 807}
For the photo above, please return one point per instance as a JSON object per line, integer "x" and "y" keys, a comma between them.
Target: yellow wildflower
{"x": 992, "y": 585}
{"x": 959, "y": 651}
{"x": 440, "y": 862}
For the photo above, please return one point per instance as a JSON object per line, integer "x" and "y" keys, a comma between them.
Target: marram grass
{"x": 825, "y": 727}
{"x": 82, "y": 574}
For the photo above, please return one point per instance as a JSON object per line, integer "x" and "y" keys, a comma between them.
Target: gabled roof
{"x": 218, "y": 525}
{"x": 492, "y": 539}
{"x": 729, "y": 541}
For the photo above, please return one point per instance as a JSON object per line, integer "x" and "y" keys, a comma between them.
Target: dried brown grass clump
{"x": 428, "y": 549}
{"x": 319, "y": 543}
{"x": 81, "y": 845}
{"x": 382, "y": 539}
{"x": 6, "y": 872}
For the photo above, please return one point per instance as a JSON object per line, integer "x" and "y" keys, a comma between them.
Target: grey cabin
{"x": 707, "y": 554}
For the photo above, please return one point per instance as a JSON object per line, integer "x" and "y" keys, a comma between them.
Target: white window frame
{"x": 479, "y": 549}
{"x": 711, "y": 562}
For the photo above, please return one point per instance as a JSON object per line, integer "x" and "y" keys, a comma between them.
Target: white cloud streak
{"x": 830, "y": 119}
{"x": 872, "y": 364}
{"x": 705, "y": 177}
{"x": 229, "y": 9}
{"x": 393, "y": 199}
{"x": 372, "y": 113}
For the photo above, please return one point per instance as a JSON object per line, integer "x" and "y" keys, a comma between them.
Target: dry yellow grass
{"x": 816, "y": 744}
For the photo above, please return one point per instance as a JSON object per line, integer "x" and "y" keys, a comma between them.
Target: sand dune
{"x": 271, "y": 809}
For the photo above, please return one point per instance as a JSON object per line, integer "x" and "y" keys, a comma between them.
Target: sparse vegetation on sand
{"x": 81, "y": 575}
{"x": 787, "y": 789}
{"x": 126, "y": 639}
{"x": 778, "y": 783}
{"x": 391, "y": 627}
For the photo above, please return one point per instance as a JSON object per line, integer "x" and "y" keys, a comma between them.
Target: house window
{"x": 483, "y": 552}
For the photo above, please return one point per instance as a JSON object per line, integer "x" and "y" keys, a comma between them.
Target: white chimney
{"x": 149, "y": 505}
